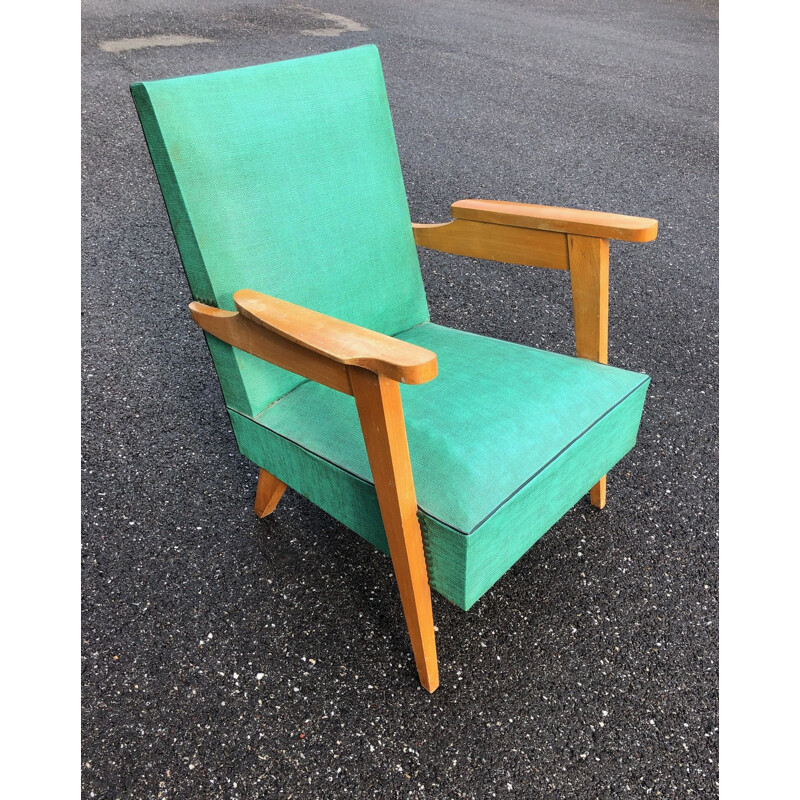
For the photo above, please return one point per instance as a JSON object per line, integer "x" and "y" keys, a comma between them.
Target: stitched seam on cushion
{"x": 303, "y": 447}
{"x": 421, "y": 508}
{"x": 557, "y": 455}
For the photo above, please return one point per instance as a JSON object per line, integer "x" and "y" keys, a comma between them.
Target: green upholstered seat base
{"x": 527, "y": 481}
{"x": 464, "y": 568}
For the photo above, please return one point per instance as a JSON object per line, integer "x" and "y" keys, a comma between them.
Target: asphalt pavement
{"x": 227, "y": 657}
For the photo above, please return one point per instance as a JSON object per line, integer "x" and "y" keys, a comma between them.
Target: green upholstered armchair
{"x": 285, "y": 194}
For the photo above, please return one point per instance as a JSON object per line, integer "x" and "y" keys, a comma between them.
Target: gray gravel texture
{"x": 226, "y": 657}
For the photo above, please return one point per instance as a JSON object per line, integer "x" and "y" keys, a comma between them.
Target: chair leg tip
{"x": 597, "y": 495}
{"x": 268, "y": 494}
{"x": 429, "y": 677}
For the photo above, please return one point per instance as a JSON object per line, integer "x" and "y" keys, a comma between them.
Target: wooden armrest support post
{"x": 383, "y": 426}
{"x": 588, "y": 272}
{"x": 546, "y": 236}
{"x": 367, "y": 365}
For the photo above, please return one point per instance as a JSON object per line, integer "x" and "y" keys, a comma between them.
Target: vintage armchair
{"x": 284, "y": 190}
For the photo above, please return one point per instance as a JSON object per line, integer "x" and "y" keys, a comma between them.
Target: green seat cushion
{"x": 495, "y": 416}
{"x": 503, "y": 442}
{"x": 285, "y": 178}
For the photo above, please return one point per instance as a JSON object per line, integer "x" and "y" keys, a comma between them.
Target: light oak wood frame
{"x": 551, "y": 237}
{"x": 369, "y": 366}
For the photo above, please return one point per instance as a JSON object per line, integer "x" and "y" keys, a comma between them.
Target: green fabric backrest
{"x": 285, "y": 178}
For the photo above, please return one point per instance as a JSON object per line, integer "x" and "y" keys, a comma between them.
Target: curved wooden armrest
{"x": 561, "y": 220}
{"x": 262, "y": 319}
{"x": 526, "y": 234}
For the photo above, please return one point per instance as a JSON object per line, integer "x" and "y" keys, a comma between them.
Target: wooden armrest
{"x": 561, "y": 220}
{"x": 335, "y": 340}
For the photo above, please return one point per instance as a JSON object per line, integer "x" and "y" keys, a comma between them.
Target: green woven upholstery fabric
{"x": 496, "y": 415}
{"x": 465, "y": 567}
{"x": 503, "y": 442}
{"x": 285, "y": 178}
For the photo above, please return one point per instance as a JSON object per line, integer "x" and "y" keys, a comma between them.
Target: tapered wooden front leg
{"x": 588, "y": 269}
{"x": 381, "y": 415}
{"x": 268, "y": 493}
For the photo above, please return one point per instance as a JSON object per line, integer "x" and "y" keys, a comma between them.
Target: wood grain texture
{"x": 588, "y": 269}
{"x": 313, "y": 345}
{"x": 233, "y": 328}
{"x": 338, "y": 340}
{"x": 553, "y": 218}
{"x": 381, "y": 414}
{"x": 510, "y": 245}
{"x": 268, "y": 493}
{"x": 597, "y": 494}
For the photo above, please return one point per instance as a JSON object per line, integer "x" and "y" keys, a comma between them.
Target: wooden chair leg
{"x": 268, "y": 494}
{"x": 381, "y": 415}
{"x": 588, "y": 269}
{"x": 597, "y": 495}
